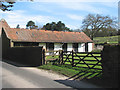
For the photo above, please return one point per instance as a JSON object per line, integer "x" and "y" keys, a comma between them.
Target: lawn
{"x": 110, "y": 39}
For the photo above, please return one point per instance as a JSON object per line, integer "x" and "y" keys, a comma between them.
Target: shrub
{"x": 96, "y": 50}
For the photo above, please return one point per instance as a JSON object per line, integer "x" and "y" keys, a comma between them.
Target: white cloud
{"x": 83, "y": 7}
{"x": 75, "y": 17}
{"x": 18, "y": 17}
{"x": 73, "y": 26}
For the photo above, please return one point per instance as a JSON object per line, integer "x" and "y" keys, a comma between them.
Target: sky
{"x": 70, "y": 12}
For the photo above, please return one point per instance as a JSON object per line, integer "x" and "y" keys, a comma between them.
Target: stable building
{"x": 49, "y": 40}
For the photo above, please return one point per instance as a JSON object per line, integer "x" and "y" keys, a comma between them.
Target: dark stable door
{"x": 64, "y": 46}
{"x": 75, "y": 47}
{"x": 86, "y": 47}
{"x": 51, "y": 46}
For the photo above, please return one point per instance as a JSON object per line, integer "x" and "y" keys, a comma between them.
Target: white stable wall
{"x": 89, "y": 47}
{"x": 69, "y": 46}
{"x": 58, "y": 46}
{"x": 81, "y": 47}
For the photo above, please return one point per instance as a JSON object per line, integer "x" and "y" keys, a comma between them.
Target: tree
{"x": 107, "y": 32}
{"x": 92, "y": 24}
{"x": 6, "y": 5}
{"x": 31, "y": 25}
{"x": 59, "y": 26}
{"x": 18, "y": 26}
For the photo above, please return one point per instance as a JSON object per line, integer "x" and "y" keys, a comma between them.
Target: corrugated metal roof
{"x": 33, "y": 35}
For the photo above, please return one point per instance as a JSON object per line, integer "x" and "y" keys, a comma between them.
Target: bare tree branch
{"x": 94, "y": 23}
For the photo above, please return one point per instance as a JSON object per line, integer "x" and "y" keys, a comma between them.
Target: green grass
{"x": 70, "y": 71}
{"x": 51, "y": 57}
{"x": 110, "y": 39}
{"x": 60, "y": 69}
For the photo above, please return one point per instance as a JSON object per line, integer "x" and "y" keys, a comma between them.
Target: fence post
{"x": 59, "y": 57}
{"x": 62, "y": 57}
{"x": 43, "y": 56}
{"x": 72, "y": 58}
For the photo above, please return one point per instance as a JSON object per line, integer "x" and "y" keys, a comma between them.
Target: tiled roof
{"x": 33, "y": 35}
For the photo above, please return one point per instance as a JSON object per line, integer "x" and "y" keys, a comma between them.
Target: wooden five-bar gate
{"x": 91, "y": 60}
{"x": 88, "y": 63}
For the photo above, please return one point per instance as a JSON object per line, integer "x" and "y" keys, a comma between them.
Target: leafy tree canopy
{"x": 59, "y": 26}
{"x": 31, "y": 25}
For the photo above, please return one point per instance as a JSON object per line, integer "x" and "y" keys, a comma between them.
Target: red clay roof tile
{"x": 26, "y": 35}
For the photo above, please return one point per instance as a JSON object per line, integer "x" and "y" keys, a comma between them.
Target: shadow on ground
{"x": 88, "y": 79}
{"x": 77, "y": 80}
{"x": 17, "y": 64}
{"x": 103, "y": 82}
{"x": 77, "y": 84}
{"x": 85, "y": 79}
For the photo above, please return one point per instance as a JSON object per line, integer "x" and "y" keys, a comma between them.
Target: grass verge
{"x": 70, "y": 71}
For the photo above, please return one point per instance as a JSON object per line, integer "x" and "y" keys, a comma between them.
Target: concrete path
{"x": 31, "y": 77}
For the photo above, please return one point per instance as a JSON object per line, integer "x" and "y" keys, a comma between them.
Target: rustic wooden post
{"x": 72, "y": 58}
{"x": 43, "y": 56}
{"x": 59, "y": 57}
{"x": 62, "y": 57}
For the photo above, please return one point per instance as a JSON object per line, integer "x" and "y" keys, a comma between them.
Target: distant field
{"x": 110, "y": 39}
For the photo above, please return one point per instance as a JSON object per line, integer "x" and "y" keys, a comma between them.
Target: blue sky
{"x": 69, "y": 12}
